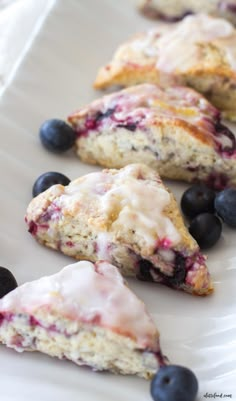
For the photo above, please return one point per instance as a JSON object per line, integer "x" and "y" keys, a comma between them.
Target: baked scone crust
{"x": 209, "y": 66}
{"x": 87, "y": 314}
{"x": 174, "y": 130}
{"x": 124, "y": 216}
{"x": 175, "y": 10}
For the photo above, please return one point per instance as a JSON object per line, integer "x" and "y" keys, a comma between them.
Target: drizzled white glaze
{"x": 167, "y": 255}
{"x": 144, "y": 103}
{"x": 148, "y": 44}
{"x": 124, "y": 199}
{"x": 140, "y": 207}
{"x": 86, "y": 292}
{"x": 102, "y": 245}
{"x": 176, "y": 47}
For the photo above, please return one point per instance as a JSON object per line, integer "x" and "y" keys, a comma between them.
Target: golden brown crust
{"x": 176, "y": 10}
{"x": 179, "y": 134}
{"x": 190, "y": 129}
{"x": 77, "y": 228}
{"x": 130, "y": 66}
{"x": 168, "y": 113}
{"x": 126, "y": 73}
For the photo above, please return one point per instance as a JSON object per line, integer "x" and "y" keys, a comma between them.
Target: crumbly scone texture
{"x": 87, "y": 345}
{"x": 209, "y": 66}
{"x": 172, "y": 130}
{"x": 173, "y": 10}
{"x": 122, "y": 216}
{"x": 80, "y": 314}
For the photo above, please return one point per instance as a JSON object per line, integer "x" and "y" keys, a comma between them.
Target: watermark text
{"x": 218, "y": 395}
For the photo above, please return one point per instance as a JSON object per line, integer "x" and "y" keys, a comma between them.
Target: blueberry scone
{"x": 126, "y": 217}
{"x": 199, "y": 52}
{"x": 175, "y": 10}
{"x": 174, "y": 130}
{"x": 87, "y": 314}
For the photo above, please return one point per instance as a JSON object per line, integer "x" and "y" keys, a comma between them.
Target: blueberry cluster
{"x": 205, "y": 209}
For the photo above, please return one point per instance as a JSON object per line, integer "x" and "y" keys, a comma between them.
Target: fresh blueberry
{"x": 197, "y": 199}
{"x": 206, "y": 229}
{"x": 225, "y": 205}
{"x": 174, "y": 383}
{"x": 57, "y": 136}
{"x": 7, "y": 281}
{"x": 46, "y": 180}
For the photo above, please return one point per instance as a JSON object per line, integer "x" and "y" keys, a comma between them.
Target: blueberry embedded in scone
{"x": 174, "y": 130}
{"x": 198, "y": 51}
{"x": 87, "y": 314}
{"x": 127, "y": 217}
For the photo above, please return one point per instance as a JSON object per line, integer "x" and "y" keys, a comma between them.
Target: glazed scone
{"x": 87, "y": 314}
{"x": 174, "y": 130}
{"x": 174, "y": 10}
{"x": 199, "y": 52}
{"x": 126, "y": 217}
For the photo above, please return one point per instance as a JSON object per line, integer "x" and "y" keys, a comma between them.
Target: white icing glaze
{"x": 167, "y": 255}
{"x": 178, "y": 50}
{"x": 176, "y": 102}
{"x": 175, "y": 46}
{"x": 124, "y": 200}
{"x": 83, "y": 292}
{"x": 102, "y": 241}
{"x": 140, "y": 208}
{"x": 146, "y": 102}
{"x": 148, "y": 43}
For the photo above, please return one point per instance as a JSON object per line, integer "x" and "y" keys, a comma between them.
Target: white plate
{"x": 55, "y": 78}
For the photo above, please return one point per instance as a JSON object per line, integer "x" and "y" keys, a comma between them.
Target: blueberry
{"x": 145, "y": 270}
{"x": 225, "y": 205}
{"x": 197, "y": 199}
{"x": 174, "y": 383}
{"x": 7, "y": 281}
{"x": 46, "y": 180}
{"x": 129, "y": 126}
{"x": 179, "y": 271}
{"x": 206, "y": 229}
{"x": 108, "y": 113}
{"x": 57, "y": 136}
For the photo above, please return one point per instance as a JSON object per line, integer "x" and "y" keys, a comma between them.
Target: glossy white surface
{"x": 83, "y": 292}
{"x": 192, "y": 30}
{"x": 54, "y": 79}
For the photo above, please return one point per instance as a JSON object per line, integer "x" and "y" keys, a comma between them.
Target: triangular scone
{"x": 172, "y": 10}
{"x": 124, "y": 216}
{"x": 85, "y": 313}
{"x": 198, "y": 51}
{"x": 174, "y": 130}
